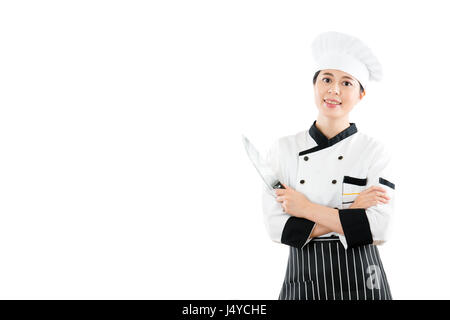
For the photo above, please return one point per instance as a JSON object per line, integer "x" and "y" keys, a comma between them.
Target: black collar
{"x": 323, "y": 142}
{"x": 321, "y": 139}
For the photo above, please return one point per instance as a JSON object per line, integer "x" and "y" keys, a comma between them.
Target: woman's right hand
{"x": 370, "y": 197}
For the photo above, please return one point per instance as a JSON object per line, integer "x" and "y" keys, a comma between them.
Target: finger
{"x": 285, "y": 186}
{"x": 381, "y": 200}
{"x": 280, "y": 192}
{"x": 377, "y": 191}
{"x": 378, "y": 188}
{"x": 382, "y": 194}
{"x": 386, "y": 197}
{"x": 280, "y": 198}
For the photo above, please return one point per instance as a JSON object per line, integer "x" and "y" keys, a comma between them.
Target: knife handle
{"x": 278, "y": 185}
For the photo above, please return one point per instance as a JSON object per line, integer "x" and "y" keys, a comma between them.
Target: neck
{"x": 331, "y": 127}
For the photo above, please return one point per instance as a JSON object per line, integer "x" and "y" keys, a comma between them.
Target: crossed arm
{"x": 326, "y": 219}
{"x": 319, "y": 230}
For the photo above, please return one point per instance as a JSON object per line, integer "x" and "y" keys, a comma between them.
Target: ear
{"x": 362, "y": 94}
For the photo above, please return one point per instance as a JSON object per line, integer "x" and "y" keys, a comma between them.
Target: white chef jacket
{"x": 330, "y": 172}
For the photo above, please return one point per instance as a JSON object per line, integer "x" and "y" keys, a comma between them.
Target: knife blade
{"x": 261, "y": 166}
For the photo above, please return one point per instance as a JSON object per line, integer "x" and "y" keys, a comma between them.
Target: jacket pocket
{"x": 351, "y": 188}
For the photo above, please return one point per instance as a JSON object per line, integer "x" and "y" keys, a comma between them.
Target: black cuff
{"x": 355, "y": 226}
{"x": 296, "y": 231}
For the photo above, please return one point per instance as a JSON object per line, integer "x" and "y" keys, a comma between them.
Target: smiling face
{"x": 337, "y": 85}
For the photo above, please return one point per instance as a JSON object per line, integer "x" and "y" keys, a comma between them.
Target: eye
{"x": 348, "y": 83}
{"x": 326, "y": 79}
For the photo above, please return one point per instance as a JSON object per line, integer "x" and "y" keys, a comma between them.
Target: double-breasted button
{"x": 340, "y": 157}
{"x": 305, "y": 158}
{"x": 302, "y": 181}
{"x": 334, "y": 181}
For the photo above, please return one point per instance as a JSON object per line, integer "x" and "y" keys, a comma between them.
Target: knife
{"x": 263, "y": 168}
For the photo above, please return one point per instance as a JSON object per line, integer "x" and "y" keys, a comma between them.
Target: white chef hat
{"x": 335, "y": 50}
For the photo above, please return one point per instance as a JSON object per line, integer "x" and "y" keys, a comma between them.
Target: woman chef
{"x": 339, "y": 194}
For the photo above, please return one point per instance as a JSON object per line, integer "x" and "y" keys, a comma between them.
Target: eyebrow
{"x": 330, "y": 74}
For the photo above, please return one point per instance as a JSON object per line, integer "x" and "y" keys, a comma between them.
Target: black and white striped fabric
{"x": 324, "y": 270}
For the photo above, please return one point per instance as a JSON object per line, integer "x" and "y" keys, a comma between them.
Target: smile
{"x": 332, "y": 103}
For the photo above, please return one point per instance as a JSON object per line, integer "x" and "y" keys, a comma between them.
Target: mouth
{"x": 331, "y": 103}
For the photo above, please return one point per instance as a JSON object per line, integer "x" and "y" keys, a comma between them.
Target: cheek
{"x": 348, "y": 105}
{"x": 350, "y": 98}
{"x": 319, "y": 93}
{"x": 317, "y": 96}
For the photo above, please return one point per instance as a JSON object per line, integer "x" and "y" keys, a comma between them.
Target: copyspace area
{"x": 122, "y": 171}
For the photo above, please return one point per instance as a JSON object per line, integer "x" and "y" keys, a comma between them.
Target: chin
{"x": 327, "y": 110}
{"x": 332, "y": 114}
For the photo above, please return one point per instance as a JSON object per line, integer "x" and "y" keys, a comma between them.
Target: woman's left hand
{"x": 292, "y": 201}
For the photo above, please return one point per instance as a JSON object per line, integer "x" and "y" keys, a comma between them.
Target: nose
{"x": 334, "y": 88}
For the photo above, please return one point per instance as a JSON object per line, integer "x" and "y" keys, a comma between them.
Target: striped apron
{"x": 324, "y": 270}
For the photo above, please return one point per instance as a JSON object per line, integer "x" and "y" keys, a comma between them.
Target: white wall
{"x": 122, "y": 172}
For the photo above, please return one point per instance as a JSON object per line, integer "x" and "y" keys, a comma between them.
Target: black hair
{"x": 317, "y": 74}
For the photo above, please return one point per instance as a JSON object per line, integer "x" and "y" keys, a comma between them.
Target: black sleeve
{"x": 355, "y": 226}
{"x": 296, "y": 231}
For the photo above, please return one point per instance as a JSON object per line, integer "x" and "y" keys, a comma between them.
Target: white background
{"x": 122, "y": 171}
